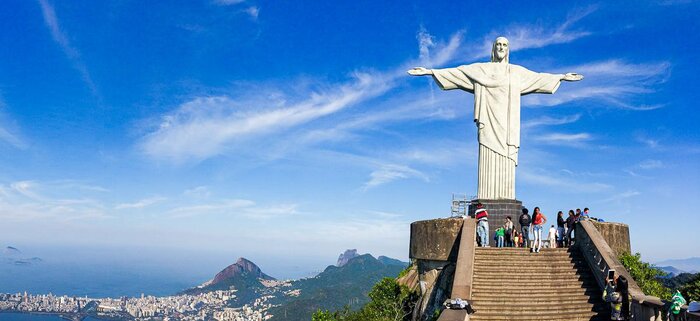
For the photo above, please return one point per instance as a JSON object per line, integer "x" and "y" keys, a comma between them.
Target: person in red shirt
{"x": 482, "y": 225}
{"x": 538, "y": 220}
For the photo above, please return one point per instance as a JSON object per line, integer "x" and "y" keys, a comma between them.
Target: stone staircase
{"x": 514, "y": 284}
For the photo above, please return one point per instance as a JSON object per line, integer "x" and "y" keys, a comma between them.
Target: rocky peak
{"x": 346, "y": 256}
{"x": 240, "y": 268}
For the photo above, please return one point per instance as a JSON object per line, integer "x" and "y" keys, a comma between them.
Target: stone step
{"x": 534, "y": 310}
{"x": 549, "y": 278}
{"x": 479, "y": 292}
{"x": 542, "y": 299}
{"x": 533, "y": 286}
{"x": 555, "y": 316}
{"x": 527, "y": 296}
{"x": 531, "y": 263}
{"x": 534, "y": 274}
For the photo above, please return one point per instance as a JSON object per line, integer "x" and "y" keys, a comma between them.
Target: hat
{"x": 694, "y": 306}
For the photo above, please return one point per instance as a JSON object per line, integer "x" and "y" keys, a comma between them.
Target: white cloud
{"x": 234, "y": 207}
{"x": 650, "y": 164}
{"x": 198, "y": 192}
{"x": 60, "y": 37}
{"x": 12, "y": 139}
{"x": 425, "y": 43}
{"x": 253, "y": 12}
{"x": 539, "y": 177}
{"x": 228, "y": 2}
{"x": 612, "y": 83}
{"x": 141, "y": 203}
{"x": 549, "y": 121}
{"x": 523, "y": 37}
{"x": 36, "y": 201}
{"x": 563, "y": 139}
{"x": 621, "y": 196}
{"x": 204, "y": 126}
{"x": 391, "y": 172}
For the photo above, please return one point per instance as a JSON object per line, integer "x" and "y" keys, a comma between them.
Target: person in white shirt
{"x": 552, "y": 237}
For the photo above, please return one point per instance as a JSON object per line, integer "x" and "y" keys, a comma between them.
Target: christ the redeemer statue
{"x": 497, "y": 87}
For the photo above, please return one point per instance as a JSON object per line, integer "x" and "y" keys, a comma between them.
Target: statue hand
{"x": 572, "y": 76}
{"x": 419, "y": 71}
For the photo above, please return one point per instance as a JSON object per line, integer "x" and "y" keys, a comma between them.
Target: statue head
{"x": 500, "y": 50}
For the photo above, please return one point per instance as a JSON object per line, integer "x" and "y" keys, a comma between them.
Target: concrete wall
{"x": 617, "y": 235}
{"x": 435, "y": 240}
{"x": 433, "y": 248}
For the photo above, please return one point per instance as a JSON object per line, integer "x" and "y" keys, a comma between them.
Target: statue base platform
{"x": 498, "y": 211}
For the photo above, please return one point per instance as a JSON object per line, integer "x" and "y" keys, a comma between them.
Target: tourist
{"x": 508, "y": 226}
{"x": 570, "y": 221}
{"x": 584, "y": 215}
{"x": 552, "y": 237}
{"x": 677, "y": 302}
{"x": 561, "y": 229}
{"x": 525, "y": 221}
{"x": 578, "y": 215}
{"x": 516, "y": 239}
{"x": 538, "y": 220}
{"x": 500, "y": 235}
{"x": 482, "y": 225}
{"x": 622, "y": 287}
{"x": 613, "y": 297}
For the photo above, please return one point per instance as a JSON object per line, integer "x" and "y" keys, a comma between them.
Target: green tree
{"x": 389, "y": 301}
{"x": 646, "y": 275}
{"x": 691, "y": 290}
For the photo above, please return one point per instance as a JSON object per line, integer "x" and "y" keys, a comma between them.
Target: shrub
{"x": 646, "y": 275}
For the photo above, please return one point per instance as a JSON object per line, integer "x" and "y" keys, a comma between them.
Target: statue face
{"x": 501, "y": 48}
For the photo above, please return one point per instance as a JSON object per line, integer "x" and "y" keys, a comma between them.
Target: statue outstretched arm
{"x": 572, "y": 76}
{"x": 419, "y": 71}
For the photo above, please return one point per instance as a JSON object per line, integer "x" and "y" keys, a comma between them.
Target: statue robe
{"x": 497, "y": 88}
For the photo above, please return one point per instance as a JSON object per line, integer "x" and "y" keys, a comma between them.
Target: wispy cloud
{"x": 234, "y": 207}
{"x": 540, "y": 177}
{"x": 391, "y": 172}
{"x": 523, "y": 37}
{"x": 611, "y": 83}
{"x": 61, "y": 39}
{"x": 563, "y": 139}
{"x": 146, "y": 202}
{"x": 253, "y": 12}
{"x": 12, "y": 139}
{"x": 32, "y": 200}
{"x": 650, "y": 164}
{"x": 621, "y": 196}
{"x": 549, "y": 121}
{"x": 204, "y": 126}
{"x": 227, "y": 2}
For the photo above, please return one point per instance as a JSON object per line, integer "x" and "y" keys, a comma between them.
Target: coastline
{"x": 64, "y": 316}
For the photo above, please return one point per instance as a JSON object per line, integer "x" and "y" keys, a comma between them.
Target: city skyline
{"x": 266, "y": 130}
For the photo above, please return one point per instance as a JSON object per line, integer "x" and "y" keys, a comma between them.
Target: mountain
{"x": 691, "y": 265}
{"x": 672, "y": 271}
{"x": 345, "y": 257}
{"x": 336, "y": 287}
{"x": 243, "y": 276}
{"x": 677, "y": 281}
{"x": 390, "y": 261}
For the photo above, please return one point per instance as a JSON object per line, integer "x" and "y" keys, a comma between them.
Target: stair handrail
{"x": 601, "y": 258}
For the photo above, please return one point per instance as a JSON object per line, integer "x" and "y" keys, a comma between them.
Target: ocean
{"x": 92, "y": 280}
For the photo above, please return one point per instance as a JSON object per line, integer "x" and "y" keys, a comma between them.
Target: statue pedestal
{"x": 498, "y": 211}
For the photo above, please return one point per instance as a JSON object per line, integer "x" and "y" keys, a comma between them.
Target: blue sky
{"x": 288, "y": 132}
